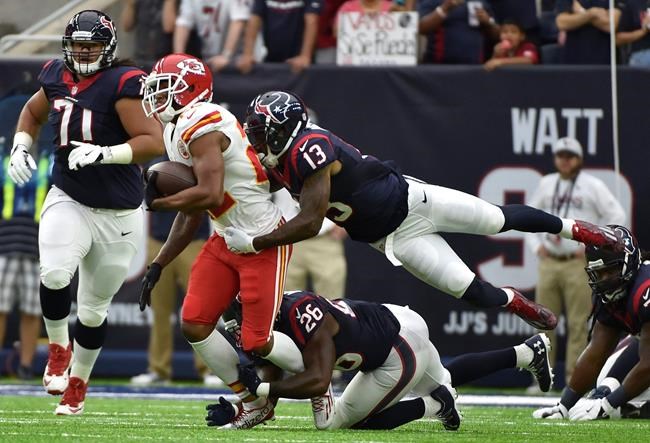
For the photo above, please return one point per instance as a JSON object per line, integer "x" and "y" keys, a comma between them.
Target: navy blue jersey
{"x": 629, "y": 313}
{"x": 85, "y": 111}
{"x": 368, "y": 197}
{"x": 367, "y": 331}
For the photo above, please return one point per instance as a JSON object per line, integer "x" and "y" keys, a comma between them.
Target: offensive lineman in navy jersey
{"x": 390, "y": 347}
{"x": 92, "y": 218}
{"x": 621, "y": 287}
{"x": 396, "y": 214}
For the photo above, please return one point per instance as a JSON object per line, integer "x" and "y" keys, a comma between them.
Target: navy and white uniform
{"x": 389, "y": 344}
{"x": 628, "y": 314}
{"x": 398, "y": 215}
{"x": 92, "y": 219}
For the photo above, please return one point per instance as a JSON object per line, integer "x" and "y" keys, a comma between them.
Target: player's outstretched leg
{"x": 483, "y": 294}
{"x": 528, "y": 219}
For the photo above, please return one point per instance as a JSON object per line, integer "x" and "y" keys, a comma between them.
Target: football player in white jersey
{"x": 232, "y": 186}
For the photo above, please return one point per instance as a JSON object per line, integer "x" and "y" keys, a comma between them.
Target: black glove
{"x": 150, "y": 191}
{"x": 149, "y": 280}
{"x": 221, "y": 413}
{"x": 248, "y": 376}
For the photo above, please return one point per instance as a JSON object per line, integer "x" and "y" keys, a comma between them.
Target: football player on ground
{"x": 621, "y": 286}
{"x": 92, "y": 218}
{"x": 390, "y": 347}
{"x": 396, "y": 214}
{"x": 233, "y": 188}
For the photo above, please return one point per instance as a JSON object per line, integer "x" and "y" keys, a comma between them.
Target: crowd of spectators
{"x": 300, "y": 33}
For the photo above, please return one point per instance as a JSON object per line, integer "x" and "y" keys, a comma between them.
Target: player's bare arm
{"x": 603, "y": 342}
{"x": 638, "y": 379}
{"x": 34, "y": 114}
{"x": 314, "y": 200}
{"x": 181, "y": 234}
{"x": 208, "y": 165}
{"x": 146, "y": 133}
{"x": 319, "y": 356}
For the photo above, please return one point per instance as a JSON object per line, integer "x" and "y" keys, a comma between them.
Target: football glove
{"x": 21, "y": 165}
{"x": 557, "y": 412}
{"x": 249, "y": 378}
{"x": 593, "y": 409}
{"x": 238, "y": 241}
{"x": 221, "y": 413}
{"x": 88, "y": 154}
{"x": 149, "y": 280}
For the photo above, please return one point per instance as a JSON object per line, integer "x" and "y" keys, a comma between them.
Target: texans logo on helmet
{"x": 277, "y": 105}
{"x": 107, "y": 23}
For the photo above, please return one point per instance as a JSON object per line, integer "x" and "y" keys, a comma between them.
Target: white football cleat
{"x": 72, "y": 402}
{"x": 322, "y": 407}
{"x": 248, "y": 417}
{"x": 55, "y": 377}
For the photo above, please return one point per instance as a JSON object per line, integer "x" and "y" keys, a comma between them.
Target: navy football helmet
{"x": 273, "y": 120}
{"x": 611, "y": 271}
{"x": 89, "y": 26}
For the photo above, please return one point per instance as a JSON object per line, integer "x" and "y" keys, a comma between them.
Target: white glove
{"x": 593, "y": 409}
{"x": 238, "y": 241}
{"x": 86, "y": 154}
{"x": 21, "y": 165}
{"x": 557, "y": 412}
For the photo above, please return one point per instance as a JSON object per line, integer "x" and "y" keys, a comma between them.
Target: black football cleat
{"x": 540, "y": 365}
{"x": 448, "y": 414}
{"x": 532, "y": 313}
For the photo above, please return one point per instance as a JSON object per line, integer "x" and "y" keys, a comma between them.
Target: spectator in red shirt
{"x": 513, "y": 49}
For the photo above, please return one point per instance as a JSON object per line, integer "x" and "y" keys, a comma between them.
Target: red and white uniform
{"x": 218, "y": 274}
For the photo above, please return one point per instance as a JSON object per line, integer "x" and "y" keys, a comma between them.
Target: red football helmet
{"x": 176, "y": 82}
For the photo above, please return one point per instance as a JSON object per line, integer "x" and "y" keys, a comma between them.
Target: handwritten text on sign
{"x": 386, "y": 38}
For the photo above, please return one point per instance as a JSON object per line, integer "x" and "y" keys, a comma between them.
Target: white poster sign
{"x": 386, "y": 38}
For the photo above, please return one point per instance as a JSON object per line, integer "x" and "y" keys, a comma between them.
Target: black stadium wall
{"x": 488, "y": 134}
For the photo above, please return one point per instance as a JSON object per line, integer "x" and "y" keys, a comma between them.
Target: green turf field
{"x": 30, "y": 419}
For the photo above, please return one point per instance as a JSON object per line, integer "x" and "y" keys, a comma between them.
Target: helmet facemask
{"x": 89, "y": 27}
{"x": 160, "y": 95}
{"x": 611, "y": 271}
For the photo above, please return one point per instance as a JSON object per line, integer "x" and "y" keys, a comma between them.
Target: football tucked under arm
{"x": 170, "y": 177}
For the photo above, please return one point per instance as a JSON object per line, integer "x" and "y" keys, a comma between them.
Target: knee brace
{"x": 90, "y": 337}
{"x": 57, "y": 278}
{"x": 55, "y": 303}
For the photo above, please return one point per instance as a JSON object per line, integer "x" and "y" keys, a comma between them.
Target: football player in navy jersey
{"x": 390, "y": 347}
{"x": 621, "y": 286}
{"x": 396, "y": 214}
{"x": 92, "y": 218}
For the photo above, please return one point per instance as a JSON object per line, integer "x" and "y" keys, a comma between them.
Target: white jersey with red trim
{"x": 247, "y": 201}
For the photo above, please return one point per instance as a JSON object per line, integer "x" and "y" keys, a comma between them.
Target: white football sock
{"x": 510, "y": 294}
{"x": 219, "y": 356}
{"x": 83, "y": 361}
{"x": 524, "y": 355}
{"x": 567, "y": 228}
{"x": 431, "y": 406}
{"x": 285, "y": 354}
{"x": 57, "y": 331}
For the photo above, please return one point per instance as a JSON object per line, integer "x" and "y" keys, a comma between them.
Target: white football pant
{"x": 424, "y": 253}
{"x": 100, "y": 242}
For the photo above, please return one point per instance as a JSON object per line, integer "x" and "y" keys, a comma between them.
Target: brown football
{"x": 172, "y": 177}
